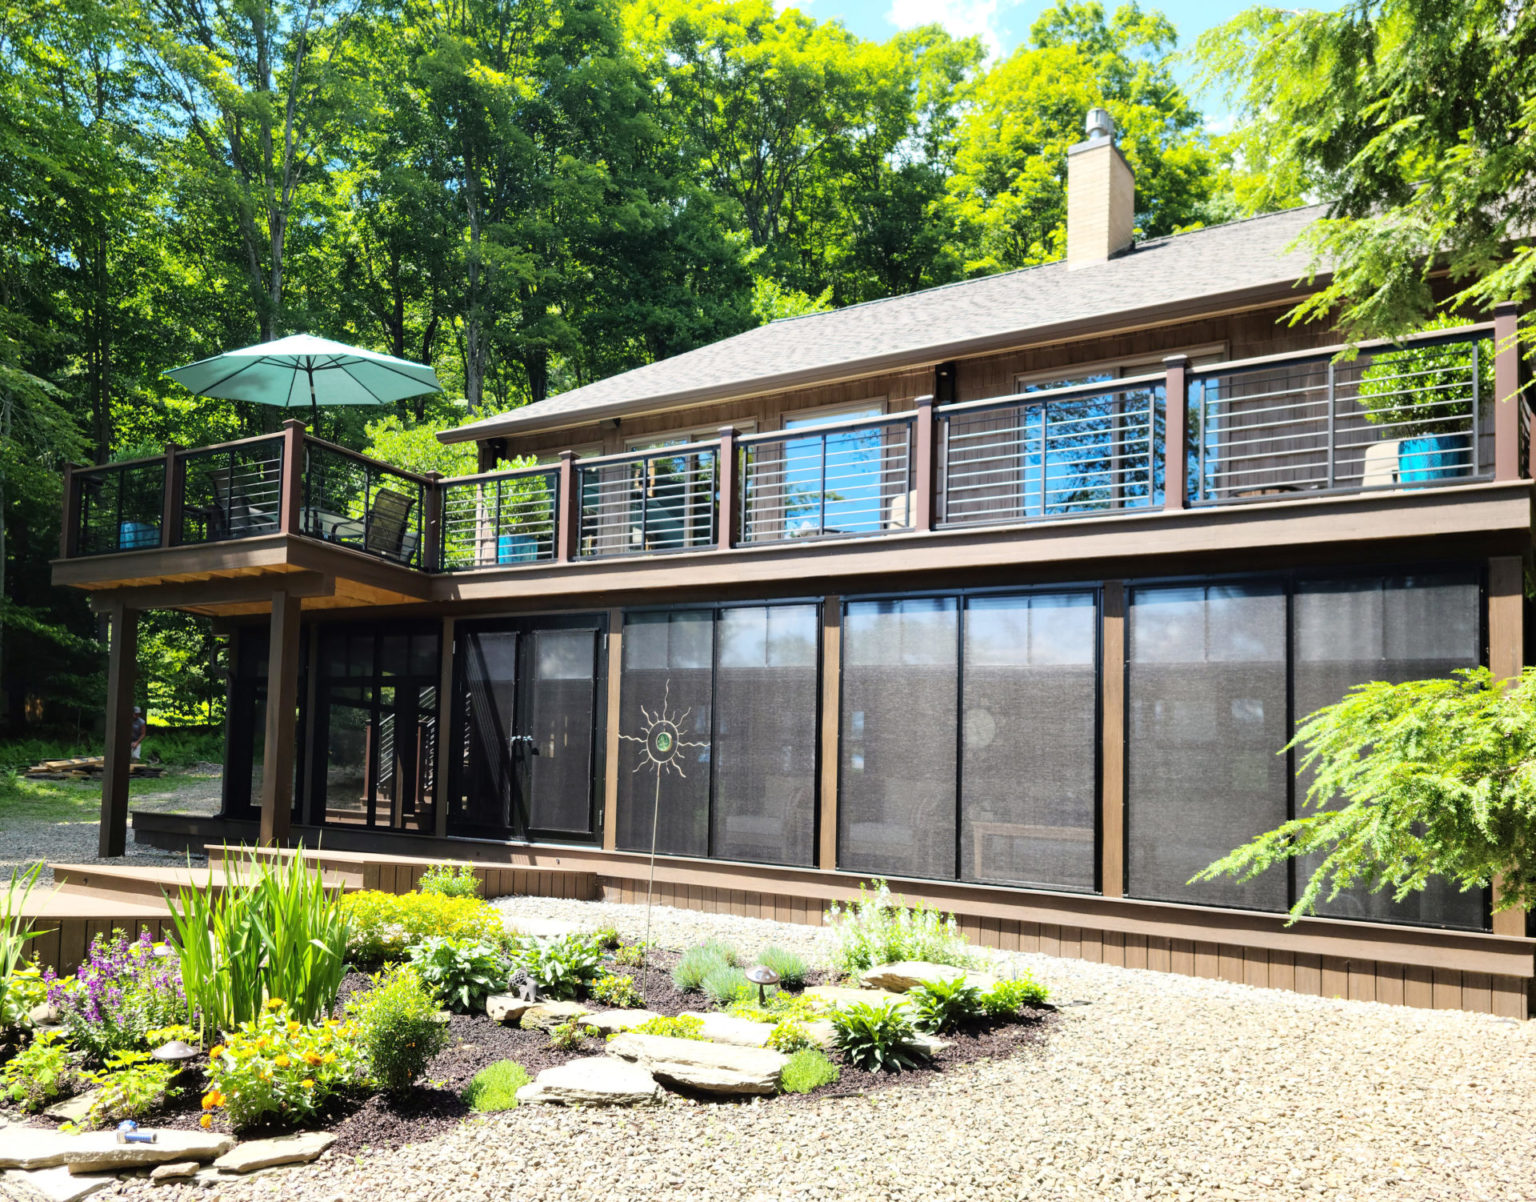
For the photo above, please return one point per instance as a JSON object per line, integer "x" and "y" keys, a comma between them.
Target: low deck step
{"x": 154, "y": 883}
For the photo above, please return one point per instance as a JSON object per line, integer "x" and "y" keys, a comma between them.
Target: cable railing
{"x": 648, "y": 502}
{"x": 357, "y": 502}
{"x": 1394, "y": 416}
{"x": 835, "y": 480}
{"x": 498, "y": 519}
{"x": 231, "y": 491}
{"x": 119, "y": 506}
{"x": 1063, "y": 452}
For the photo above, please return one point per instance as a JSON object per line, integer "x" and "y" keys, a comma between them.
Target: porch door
{"x": 528, "y": 718}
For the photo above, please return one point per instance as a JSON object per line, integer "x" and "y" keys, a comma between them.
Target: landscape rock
{"x": 739, "y": 1032}
{"x": 506, "y": 1007}
{"x": 178, "y": 1171}
{"x": 612, "y": 1022}
{"x": 44, "y": 1014}
{"x": 708, "y": 1067}
{"x": 73, "y": 1110}
{"x": 53, "y": 1185}
{"x": 905, "y": 974}
{"x": 929, "y": 1045}
{"x": 298, "y": 1148}
{"x": 550, "y": 1014}
{"x": 838, "y": 996}
{"x": 822, "y": 1033}
{"x": 593, "y": 1081}
{"x": 92, "y": 1151}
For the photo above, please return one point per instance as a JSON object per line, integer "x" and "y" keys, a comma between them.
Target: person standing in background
{"x": 139, "y": 729}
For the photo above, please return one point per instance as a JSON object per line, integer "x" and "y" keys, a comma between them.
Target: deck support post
{"x": 282, "y": 704}
{"x": 122, "y": 656}
{"x": 1175, "y": 413}
{"x": 291, "y": 498}
{"x": 924, "y": 478}
{"x": 431, "y": 549}
{"x": 1506, "y": 658}
{"x": 568, "y": 510}
{"x": 1506, "y": 391}
{"x": 1112, "y": 754}
{"x": 728, "y": 517}
{"x": 170, "y": 506}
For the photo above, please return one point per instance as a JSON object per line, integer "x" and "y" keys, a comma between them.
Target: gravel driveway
{"x": 1159, "y": 1087}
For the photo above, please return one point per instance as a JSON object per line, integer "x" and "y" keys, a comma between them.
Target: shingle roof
{"x": 968, "y": 317}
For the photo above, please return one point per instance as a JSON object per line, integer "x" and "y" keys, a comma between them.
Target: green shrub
{"x": 41, "y": 1073}
{"x": 383, "y": 925}
{"x": 684, "y": 1026}
{"x": 695, "y": 964}
{"x": 606, "y": 938}
{"x": 278, "y": 1069}
{"x": 461, "y": 972}
{"x": 274, "y": 930}
{"x": 399, "y": 1028}
{"x": 132, "y": 1086}
{"x": 618, "y": 992}
{"x": 630, "y": 955}
{"x": 564, "y": 967}
{"x": 118, "y": 995}
{"x": 445, "y": 880}
{"x": 1010, "y": 995}
{"x": 879, "y": 928}
{"x": 878, "y": 1038}
{"x": 792, "y": 970}
{"x": 808, "y": 1069}
{"x": 789, "y": 1035}
{"x": 942, "y": 1005}
{"x": 568, "y": 1036}
{"x": 22, "y": 990}
{"x": 495, "y": 1087}
{"x": 724, "y": 985}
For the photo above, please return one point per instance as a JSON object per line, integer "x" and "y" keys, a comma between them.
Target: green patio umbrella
{"x": 301, "y": 370}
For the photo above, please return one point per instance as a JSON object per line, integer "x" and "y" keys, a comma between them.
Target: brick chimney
{"x": 1101, "y": 195}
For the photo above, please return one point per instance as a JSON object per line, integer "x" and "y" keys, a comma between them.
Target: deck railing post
{"x": 1506, "y": 391}
{"x": 69, "y": 534}
{"x": 568, "y": 510}
{"x": 291, "y": 497}
{"x": 1175, "y": 409}
{"x": 170, "y": 508}
{"x": 924, "y": 479}
{"x": 431, "y": 548}
{"x": 728, "y": 507}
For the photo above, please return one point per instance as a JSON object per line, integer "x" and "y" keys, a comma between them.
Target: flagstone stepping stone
{"x": 822, "y": 1033}
{"x": 550, "y": 1014}
{"x": 299, "y": 1148}
{"x": 73, "y": 1110}
{"x": 94, "y": 1151}
{"x": 727, "y": 1028}
{"x": 507, "y": 1007}
{"x": 905, "y": 974}
{"x": 612, "y": 1022}
{"x": 838, "y": 996}
{"x": 708, "y": 1067}
{"x": 179, "y": 1171}
{"x": 592, "y": 1081}
{"x": 55, "y": 1185}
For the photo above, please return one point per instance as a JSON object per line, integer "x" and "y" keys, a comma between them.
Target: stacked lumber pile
{"x": 86, "y": 767}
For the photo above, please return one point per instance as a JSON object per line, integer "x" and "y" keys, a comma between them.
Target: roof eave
{"x": 1275, "y": 292}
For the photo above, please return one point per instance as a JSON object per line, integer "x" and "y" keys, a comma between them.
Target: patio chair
{"x": 387, "y": 519}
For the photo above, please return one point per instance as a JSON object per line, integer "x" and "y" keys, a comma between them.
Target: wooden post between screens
{"x": 568, "y": 510}
{"x": 924, "y": 478}
{"x": 432, "y": 523}
{"x": 1506, "y": 658}
{"x": 122, "y": 656}
{"x": 728, "y": 516}
{"x": 831, "y": 698}
{"x": 1506, "y": 391}
{"x": 281, "y": 729}
{"x": 1112, "y": 728}
{"x": 1175, "y": 411}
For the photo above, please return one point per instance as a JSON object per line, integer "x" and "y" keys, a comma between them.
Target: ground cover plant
{"x": 807, "y": 1070}
{"x": 131, "y": 1085}
{"x": 495, "y": 1087}
{"x": 880, "y": 928}
{"x": 382, "y": 925}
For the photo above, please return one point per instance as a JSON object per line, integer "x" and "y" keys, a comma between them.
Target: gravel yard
{"x": 1158, "y": 1087}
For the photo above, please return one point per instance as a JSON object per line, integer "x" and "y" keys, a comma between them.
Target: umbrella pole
{"x": 314, "y": 408}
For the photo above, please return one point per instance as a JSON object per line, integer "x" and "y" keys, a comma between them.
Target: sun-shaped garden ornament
{"x": 662, "y": 743}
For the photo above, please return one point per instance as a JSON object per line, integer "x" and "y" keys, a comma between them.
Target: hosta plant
{"x": 564, "y": 968}
{"x": 942, "y": 1005}
{"x": 878, "y": 1038}
{"x": 1010, "y": 995}
{"x": 462, "y": 972}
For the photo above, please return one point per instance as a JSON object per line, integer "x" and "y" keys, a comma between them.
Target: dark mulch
{"x": 380, "y": 1121}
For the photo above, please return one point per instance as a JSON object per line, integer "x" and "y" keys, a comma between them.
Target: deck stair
{"x": 151, "y": 884}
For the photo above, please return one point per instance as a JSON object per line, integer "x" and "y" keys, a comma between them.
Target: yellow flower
{"x": 282, "y": 1062}
{"x": 328, "y": 1058}
{"x": 293, "y": 1027}
{"x": 308, "y": 1083}
{"x": 208, "y": 1102}
{"x": 217, "y": 1048}
{"x": 206, "y": 1121}
{"x": 311, "y": 1058}
{"x": 275, "y": 1003}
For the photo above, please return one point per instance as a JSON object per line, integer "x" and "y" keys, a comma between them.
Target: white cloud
{"x": 962, "y": 18}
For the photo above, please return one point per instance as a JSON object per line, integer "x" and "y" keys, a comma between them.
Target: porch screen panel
{"x": 560, "y": 721}
{"x": 896, "y": 807}
{"x": 1391, "y": 628}
{"x": 483, "y": 801}
{"x": 1028, "y": 786}
{"x": 765, "y": 734}
{"x": 668, "y": 659}
{"x": 1206, "y": 700}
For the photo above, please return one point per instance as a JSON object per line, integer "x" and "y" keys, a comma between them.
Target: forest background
{"x": 527, "y": 194}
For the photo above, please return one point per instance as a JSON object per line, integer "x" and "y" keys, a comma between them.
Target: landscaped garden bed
{"x": 282, "y": 1031}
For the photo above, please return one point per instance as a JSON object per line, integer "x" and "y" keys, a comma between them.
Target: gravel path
{"x": 1159, "y": 1087}
{"x": 24, "y": 842}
